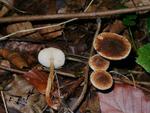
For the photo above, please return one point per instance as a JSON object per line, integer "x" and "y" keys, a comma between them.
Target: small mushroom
{"x": 96, "y": 63}
{"x": 101, "y": 80}
{"x": 112, "y": 46}
{"x": 47, "y": 55}
{"x": 53, "y": 58}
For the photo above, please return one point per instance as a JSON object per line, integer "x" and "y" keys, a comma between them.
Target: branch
{"x": 76, "y": 15}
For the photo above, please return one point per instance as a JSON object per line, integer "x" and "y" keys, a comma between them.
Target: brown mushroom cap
{"x": 112, "y": 46}
{"x": 96, "y": 63}
{"x": 101, "y": 80}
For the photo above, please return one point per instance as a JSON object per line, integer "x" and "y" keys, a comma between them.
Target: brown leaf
{"x": 14, "y": 57}
{"x": 91, "y": 104}
{"x": 124, "y": 99}
{"x": 38, "y": 79}
{"x": 23, "y": 26}
{"x": 24, "y": 47}
{"x": 36, "y": 6}
{"x": 21, "y": 96}
{"x": 4, "y": 11}
{"x": 116, "y": 27}
{"x": 71, "y": 88}
{"x": 2, "y": 109}
{"x": 51, "y": 32}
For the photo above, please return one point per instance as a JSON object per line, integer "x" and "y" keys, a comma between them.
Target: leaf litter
{"x": 24, "y": 89}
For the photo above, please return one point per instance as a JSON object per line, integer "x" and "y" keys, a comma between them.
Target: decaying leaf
{"x": 23, "y": 26}
{"x": 91, "y": 104}
{"x": 24, "y": 47}
{"x": 116, "y": 27}
{"x": 14, "y": 57}
{"x": 70, "y": 89}
{"x": 4, "y": 11}
{"x": 23, "y": 97}
{"x": 2, "y": 109}
{"x": 137, "y": 3}
{"x": 38, "y": 79}
{"x": 124, "y": 99}
{"x": 51, "y": 32}
{"x": 36, "y": 6}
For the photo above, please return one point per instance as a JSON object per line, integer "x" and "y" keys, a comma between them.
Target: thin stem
{"x": 3, "y": 98}
{"x": 132, "y": 39}
{"x": 49, "y": 84}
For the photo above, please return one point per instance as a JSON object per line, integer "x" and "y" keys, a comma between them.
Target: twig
{"x": 23, "y": 72}
{"x": 75, "y": 59}
{"x": 65, "y": 74}
{"x": 12, "y": 70}
{"x": 76, "y": 15}
{"x": 3, "y": 98}
{"x": 82, "y": 95}
{"x": 131, "y": 83}
{"x": 134, "y": 82}
{"x": 75, "y": 55}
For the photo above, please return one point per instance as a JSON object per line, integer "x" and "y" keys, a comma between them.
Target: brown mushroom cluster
{"x": 109, "y": 46}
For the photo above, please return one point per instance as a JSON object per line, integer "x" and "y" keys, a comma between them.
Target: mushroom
{"x": 101, "y": 80}
{"x": 48, "y": 55}
{"x": 112, "y": 46}
{"x": 53, "y": 58}
{"x": 96, "y": 63}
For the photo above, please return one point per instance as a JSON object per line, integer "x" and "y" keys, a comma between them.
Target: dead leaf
{"x": 24, "y": 47}
{"x": 36, "y": 6}
{"x": 51, "y": 32}
{"x": 2, "y": 109}
{"x": 116, "y": 27}
{"x": 71, "y": 88}
{"x": 4, "y": 11}
{"x": 23, "y": 26}
{"x": 124, "y": 99}
{"x": 22, "y": 96}
{"x": 14, "y": 57}
{"x": 91, "y": 104}
{"x": 38, "y": 79}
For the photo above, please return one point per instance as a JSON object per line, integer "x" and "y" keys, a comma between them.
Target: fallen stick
{"x": 75, "y": 15}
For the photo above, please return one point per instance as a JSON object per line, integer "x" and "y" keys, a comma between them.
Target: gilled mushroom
{"x": 96, "y": 63}
{"x": 101, "y": 80}
{"x": 49, "y": 55}
{"x": 53, "y": 58}
{"x": 112, "y": 46}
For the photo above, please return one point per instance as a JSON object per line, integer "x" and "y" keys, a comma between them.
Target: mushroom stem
{"x": 49, "y": 84}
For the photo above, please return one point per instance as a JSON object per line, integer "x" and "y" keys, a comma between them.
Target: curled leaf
{"x": 14, "y": 57}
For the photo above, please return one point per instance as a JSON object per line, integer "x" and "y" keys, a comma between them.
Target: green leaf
{"x": 143, "y": 58}
{"x": 148, "y": 24}
{"x": 129, "y": 20}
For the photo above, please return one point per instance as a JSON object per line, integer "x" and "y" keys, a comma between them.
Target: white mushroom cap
{"x": 46, "y": 56}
